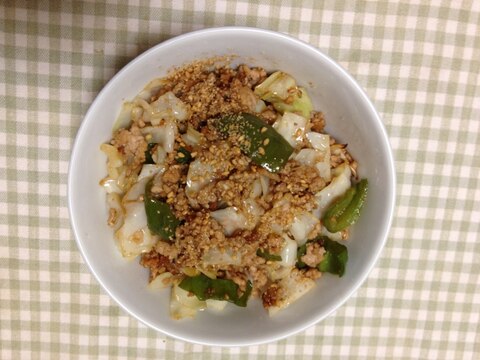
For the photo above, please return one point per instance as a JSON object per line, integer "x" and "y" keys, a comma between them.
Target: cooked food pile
{"x": 224, "y": 182}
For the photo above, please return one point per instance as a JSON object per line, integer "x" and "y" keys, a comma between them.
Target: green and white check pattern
{"x": 419, "y": 61}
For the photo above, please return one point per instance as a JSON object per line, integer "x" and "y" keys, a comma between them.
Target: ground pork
{"x": 314, "y": 254}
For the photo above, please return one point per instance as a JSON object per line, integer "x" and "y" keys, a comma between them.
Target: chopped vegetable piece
{"x": 335, "y": 258}
{"x": 281, "y": 90}
{"x": 346, "y": 210}
{"x": 250, "y": 132}
{"x": 218, "y": 289}
{"x": 277, "y": 87}
{"x": 160, "y": 218}
{"x": 291, "y": 127}
{"x": 183, "y": 156}
{"x": 338, "y": 208}
{"x": 300, "y": 104}
{"x": 148, "y": 153}
{"x": 267, "y": 256}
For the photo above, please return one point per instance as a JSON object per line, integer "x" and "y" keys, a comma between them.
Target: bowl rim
{"x": 238, "y": 29}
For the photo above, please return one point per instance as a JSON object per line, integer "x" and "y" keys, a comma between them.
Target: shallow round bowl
{"x": 350, "y": 117}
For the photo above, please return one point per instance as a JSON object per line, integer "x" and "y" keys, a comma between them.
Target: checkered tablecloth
{"x": 419, "y": 62}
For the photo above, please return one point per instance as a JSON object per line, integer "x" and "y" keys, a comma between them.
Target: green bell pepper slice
{"x": 258, "y": 140}
{"x": 335, "y": 258}
{"x": 160, "y": 218}
{"x": 346, "y": 210}
{"x": 205, "y": 288}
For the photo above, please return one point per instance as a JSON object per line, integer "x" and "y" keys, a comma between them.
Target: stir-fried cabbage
{"x": 256, "y": 189}
{"x": 231, "y": 220}
{"x": 162, "y": 281}
{"x": 337, "y": 236}
{"x": 215, "y": 256}
{"x": 115, "y": 180}
{"x": 168, "y": 107}
{"x": 292, "y": 127}
{"x": 134, "y": 237}
{"x": 265, "y": 182}
{"x": 253, "y": 211}
{"x": 111, "y": 186}
{"x": 124, "y": 118}
{"x": 149, "y": 170}
{"x": 183, "y": 304}
{"x": 192, "y": 137}
{"x": 151, "y": 89}
{"x": 114, "y": 203}
{"x": 300, "y": 103}
{"x": 289, "y": 251}
{"x": 277, "y": 270}
{"x": 277, "y": 87}
{"x": 135, "y": 194}
{"x": 340, "y": 183}
{"x": 114, "y": 160}
{"x": 217, "y": 305}
{"x": 321, "y": 144}
{"x": 163, "y": 134}
{"x": 302, "y": 226}
{"x": 199, "y": 174}
{"x": 281, "y": 90}
{"x": 291, "y": 288}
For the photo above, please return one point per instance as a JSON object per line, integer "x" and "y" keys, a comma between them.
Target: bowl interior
{"x": 350, "y": 118}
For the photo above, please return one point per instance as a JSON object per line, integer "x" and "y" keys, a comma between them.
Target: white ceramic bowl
{"x": 351, "y": 118}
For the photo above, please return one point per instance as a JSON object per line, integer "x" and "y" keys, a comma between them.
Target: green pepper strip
{"x": 346, "y": 211}
{"x": 217, "y": 289}
{"x": 335, "y": 258}
{"x": 258, "y": 140}
{"x": 160, "y": 218}
{"x": 267, "y": 256}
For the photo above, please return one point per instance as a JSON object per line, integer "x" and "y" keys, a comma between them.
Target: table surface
{"x": 419, "y": 61}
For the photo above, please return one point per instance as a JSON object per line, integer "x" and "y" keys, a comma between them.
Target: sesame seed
{"x": 263, "y": 129}
{"x": 261, "y": 151}
{"x": 266, "y": 141}
{"x": 181, "y": 155}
